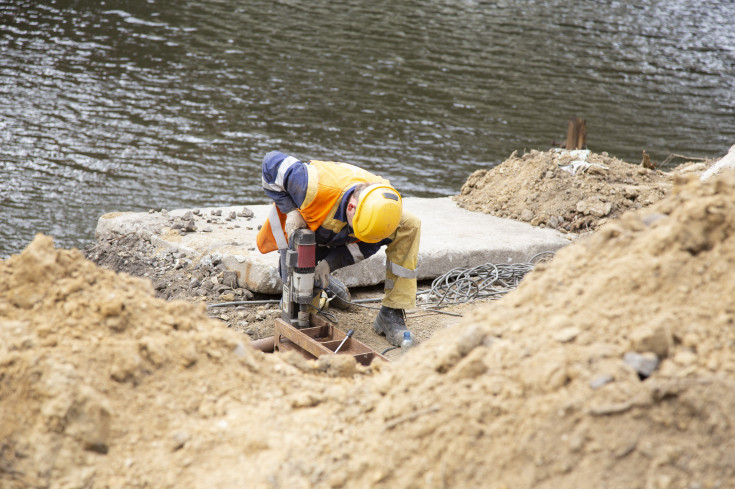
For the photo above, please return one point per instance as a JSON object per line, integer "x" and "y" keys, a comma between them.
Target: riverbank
{"x": 607, "y": 364}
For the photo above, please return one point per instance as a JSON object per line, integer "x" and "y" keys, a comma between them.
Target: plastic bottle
{"x": 407, "y": 342}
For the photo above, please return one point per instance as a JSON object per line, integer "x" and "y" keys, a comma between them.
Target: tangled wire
{"x": 457, "y": 286}
{"x": 487, "y": 281}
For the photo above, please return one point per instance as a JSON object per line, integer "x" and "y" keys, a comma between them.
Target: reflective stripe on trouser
{"x": 401, "y": 260}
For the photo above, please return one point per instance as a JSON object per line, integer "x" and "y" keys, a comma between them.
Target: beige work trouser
{"x": 401, "y": 261}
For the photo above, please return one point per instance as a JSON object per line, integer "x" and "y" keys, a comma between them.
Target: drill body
{"x": 298, "y": 279}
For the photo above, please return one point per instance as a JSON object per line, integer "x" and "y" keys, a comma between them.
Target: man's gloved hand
{"x": 294, "y": 221}
{"x": 321, "y": 274}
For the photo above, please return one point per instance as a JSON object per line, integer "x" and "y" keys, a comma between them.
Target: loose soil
{"x": 174, "y": 276}
{"x": 538, "y": 187}
{"x": 103, "y": 384}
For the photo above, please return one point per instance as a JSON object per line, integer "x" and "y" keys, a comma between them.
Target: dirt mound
{"x": 570, "y": 191}
{"x": 105, "y": 386}
{"x": 101, "y": 382}
{"x": 535, "y": 392}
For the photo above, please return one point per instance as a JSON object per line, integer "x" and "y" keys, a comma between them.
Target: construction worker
{"x": 352, "y": 213}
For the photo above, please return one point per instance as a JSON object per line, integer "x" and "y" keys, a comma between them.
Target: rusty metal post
{"x": 576, "y": 134}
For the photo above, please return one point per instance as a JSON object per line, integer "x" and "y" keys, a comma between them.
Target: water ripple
{"x": 159, "y": 104}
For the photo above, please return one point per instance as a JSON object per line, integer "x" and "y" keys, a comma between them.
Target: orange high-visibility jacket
{"x": 327, "y": 183}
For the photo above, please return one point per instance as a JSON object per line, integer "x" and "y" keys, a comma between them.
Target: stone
{"x": 221, "y": 288}
{"x": 656, "y": 339}
{"x": 594, "y": 206}
{"x": 685, "y": 358}
{"x": 246, "y": 213}
{"x": 601, "y": 380}
{"x": 644, "y": 364}
{"x": 229, "y": 278}
{"x": 546, "y": 371}
{"x": 244, "y": 293}
{"x": 567, "y": 334}
{"x": 188, "y": 216}
{"x": 179, "y": 439}
{"x": 526, "y": 215}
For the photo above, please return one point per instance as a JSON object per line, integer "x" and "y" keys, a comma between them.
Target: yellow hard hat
{"x": 378, "y": 213}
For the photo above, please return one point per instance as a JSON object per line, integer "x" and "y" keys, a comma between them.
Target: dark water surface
{"x": 127, "y": 106}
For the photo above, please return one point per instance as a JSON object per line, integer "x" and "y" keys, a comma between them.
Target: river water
{"x": 132, "y": 105}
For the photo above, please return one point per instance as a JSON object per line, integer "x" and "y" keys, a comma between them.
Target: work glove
{"x": 321, "y": 274}
{"x": 294, "y": 221}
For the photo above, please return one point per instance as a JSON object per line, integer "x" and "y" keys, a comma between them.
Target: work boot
{"x": 392, "y": 323}
{"x": 338, "y": 293}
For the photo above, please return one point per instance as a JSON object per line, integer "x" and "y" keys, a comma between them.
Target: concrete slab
{"x": 727, "y": 162}
{"x": 450, "y": 237}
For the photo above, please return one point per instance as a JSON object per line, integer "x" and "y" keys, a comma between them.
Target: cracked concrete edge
{"x": 259, "y": 273}
{"x": 727, "y": 162}
{"x": 115, "y": 224}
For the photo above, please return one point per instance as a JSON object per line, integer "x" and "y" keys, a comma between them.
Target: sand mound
{"x": 105, "y": 386}
{"x": 534, "y": 392}
{"x": 101, "y": 382}
{"x": 536, "y": 188}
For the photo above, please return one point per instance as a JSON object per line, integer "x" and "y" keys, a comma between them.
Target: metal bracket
{"x": 322, "y": 338}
